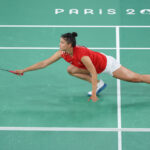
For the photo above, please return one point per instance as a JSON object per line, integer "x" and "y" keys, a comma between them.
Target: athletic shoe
{"x": 100, "y": 86}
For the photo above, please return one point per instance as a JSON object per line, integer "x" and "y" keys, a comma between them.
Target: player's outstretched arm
{"x": 41, "y": 64}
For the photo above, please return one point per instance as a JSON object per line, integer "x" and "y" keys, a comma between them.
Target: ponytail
{"x": 70, "y": 38}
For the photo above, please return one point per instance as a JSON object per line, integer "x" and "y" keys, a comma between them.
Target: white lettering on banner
{"x": 145, "y": 11}
{"x": 58, "y": 11}
{"x": 101, "y": 11}
{"x": 88, "y": 11}
{"x": 130, "y": 12}
{"x": 111, "y": 11}
{"x": 73, "y": 11}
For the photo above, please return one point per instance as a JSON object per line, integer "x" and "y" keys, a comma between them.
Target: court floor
{"x": 48, "y": 109}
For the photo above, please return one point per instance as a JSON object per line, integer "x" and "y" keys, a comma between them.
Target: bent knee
{"x": 70, "y": 70}
{"x": 73, "y": 70}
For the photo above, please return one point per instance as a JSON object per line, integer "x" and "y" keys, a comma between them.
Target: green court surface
{"x": 58, "y": 101}
{"x": 135, "y": 97}
{"x": 49, "y": 37}
{"x": 56, "y": 140}
{"x": 48, "y": 108}
{"x": 136, "y": 141}
{"x": 135, "y": 37}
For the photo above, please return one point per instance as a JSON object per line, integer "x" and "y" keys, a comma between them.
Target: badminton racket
{"x": 11, "y": 71}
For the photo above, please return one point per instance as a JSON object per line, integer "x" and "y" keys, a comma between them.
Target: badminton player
{"x": 87, "y": 64}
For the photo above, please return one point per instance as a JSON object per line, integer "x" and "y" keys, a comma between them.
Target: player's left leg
{"x": 130, "y": 76}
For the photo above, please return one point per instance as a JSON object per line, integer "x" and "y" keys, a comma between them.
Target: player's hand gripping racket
{"x": 12, "y": 72}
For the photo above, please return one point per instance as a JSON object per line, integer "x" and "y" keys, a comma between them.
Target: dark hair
{"x": 70, "y": 38}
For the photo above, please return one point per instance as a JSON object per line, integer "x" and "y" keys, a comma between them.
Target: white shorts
{"x": 112, "y": 65}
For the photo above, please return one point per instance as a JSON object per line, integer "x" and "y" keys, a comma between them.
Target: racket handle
{"x": 16, "y": 73}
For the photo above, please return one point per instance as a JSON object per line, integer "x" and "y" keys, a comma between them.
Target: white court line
{"x": 118, "y": 90}
{"x": 51, "y": 48}
{"x": 96, "y": 48}
{"x": 74, "y": 129}
{"x": 69, "y": 26}
{"x": 134, "y": 48}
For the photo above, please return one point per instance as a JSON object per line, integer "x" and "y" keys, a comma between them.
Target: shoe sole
{"x": 100, "y": 90}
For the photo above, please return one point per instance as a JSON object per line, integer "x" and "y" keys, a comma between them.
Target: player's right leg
{"x": 85, "y": 75}
{"x": 79, "y": 73}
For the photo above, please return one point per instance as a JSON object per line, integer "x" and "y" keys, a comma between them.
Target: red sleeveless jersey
{"x": 99, "y": 60}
